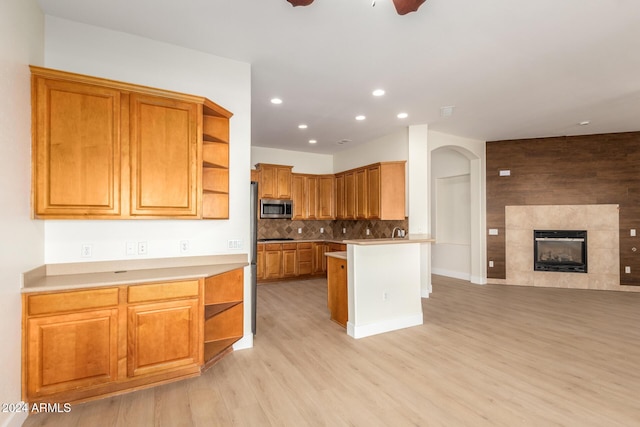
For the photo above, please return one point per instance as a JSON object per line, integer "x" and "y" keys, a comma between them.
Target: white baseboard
{"x": 450, "y": 273}
{"x": 384, "y": 326}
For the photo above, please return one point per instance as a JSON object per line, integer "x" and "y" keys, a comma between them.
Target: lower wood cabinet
{"x": 319, "y": 260}
{"x": 289, "y": 260}
{"x": 337, "y": 295}
{"x": 278, "y": 261}
{"x": 88, "y": 343}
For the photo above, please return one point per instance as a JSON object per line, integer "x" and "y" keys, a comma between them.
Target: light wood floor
{"x": 486, "y": 356}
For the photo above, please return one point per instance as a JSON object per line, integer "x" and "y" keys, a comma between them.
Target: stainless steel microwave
{"x": 272, "y": 208}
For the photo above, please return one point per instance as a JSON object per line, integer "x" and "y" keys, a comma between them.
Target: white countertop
{"x": 56, "y": 277}
{"x": 411, "y": 238}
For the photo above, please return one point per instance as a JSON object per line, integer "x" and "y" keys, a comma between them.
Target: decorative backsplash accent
{"x": 286, "y": 228}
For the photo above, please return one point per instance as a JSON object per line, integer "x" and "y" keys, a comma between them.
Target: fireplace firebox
{"x": 560, "y": 250}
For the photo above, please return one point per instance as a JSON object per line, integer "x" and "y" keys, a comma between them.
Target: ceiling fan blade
{"x": 405, "y": 6}
{"x": 300, "y": 2}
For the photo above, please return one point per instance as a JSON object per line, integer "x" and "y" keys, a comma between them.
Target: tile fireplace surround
{"x": 603, "y": 249}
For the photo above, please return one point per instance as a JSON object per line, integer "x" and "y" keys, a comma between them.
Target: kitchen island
{"x": 384, "y": 284}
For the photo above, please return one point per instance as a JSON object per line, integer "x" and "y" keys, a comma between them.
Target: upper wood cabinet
{"x": 76, "y": 163}
{"x": 386, "y": 190}
{"x": 164, "y": 156}
{"x": 275, "y": 181}
{"x": 112, "y": 150}
{"x": 298, "y": 196}
{"x": 326, "y": 206}
{"x": 339, "y": 199}
{"x": 362, "y": 208}
{"x": 349, "y": 195}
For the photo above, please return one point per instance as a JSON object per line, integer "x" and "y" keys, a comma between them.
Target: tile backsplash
{"x": 333, "y": 229}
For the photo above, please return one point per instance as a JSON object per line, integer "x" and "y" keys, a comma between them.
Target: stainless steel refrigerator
{"x": 253, "y": 253}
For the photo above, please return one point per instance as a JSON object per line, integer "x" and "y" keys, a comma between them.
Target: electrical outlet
{"x": 299, "y": 230}
{"x": 184, "y": 246}
{"x": 385, "y": 296}
{"x": 234, "y": 244}
{"x": 632, "y": 233}
{"x": 86, "y": 251}
{"x": 368, "y": 232}
{"x": 321, "y": 230}
{"x": 344, "y": 230}
{"x": 490, "y": 264}
{"x": 627, "y": 269}
{"x": 142, "y": 248}
{"x": 131, "y": 248}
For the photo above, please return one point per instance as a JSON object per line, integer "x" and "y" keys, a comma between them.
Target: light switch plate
{"x": 493, "y": 232}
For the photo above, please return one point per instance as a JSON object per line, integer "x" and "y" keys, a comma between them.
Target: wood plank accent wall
{"x": 575, "y": 170}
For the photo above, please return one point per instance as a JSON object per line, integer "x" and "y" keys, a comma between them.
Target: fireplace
{"x": 560, "y": 250}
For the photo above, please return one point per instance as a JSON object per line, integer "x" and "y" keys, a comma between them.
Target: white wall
{"x": 388, "y": 148}
{"x": 85, "y": 49}
{"x": 21, "y": 246}
{"x": 302, "y": 162}
{"x": 459, "y": 260}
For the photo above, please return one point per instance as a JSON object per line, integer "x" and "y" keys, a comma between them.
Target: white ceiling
{"x": 512, "y": 68}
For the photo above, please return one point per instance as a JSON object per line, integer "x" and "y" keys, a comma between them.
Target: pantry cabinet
{"x": 104, "y": 149}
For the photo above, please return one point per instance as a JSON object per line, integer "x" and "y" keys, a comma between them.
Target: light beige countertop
{"x": 55, "y": 277}
{"x": 411, "y": 238}
{"x": 340, "y": 255}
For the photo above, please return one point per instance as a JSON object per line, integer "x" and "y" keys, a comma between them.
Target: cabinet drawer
{"x": 225, "y": 287}
{"x": 273, "y": 246}
{"x": 304, "y": 245}
{"x": 163, "y": 291}
{"x": 71, "y": 301}
{"x": 289, "y": 246}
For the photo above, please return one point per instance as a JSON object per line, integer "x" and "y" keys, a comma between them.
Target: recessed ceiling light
{"x": 378, "y": 92}
{"x": 584, "y": 123}
{"x": 302, "y": 126}
{"x": 276, "y": 101}
{"x": 360, "y": 118}
{"x": 312, "y": 141}
{"x": 402, "y": 115}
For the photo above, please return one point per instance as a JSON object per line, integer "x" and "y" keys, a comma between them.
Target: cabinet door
{"x": 326, "y": 197}
{"x": 305, "y": 255}
{"x": 272, "y": 263}
{"x": 373, "y": 192}
{"x": 337, "y": 295}
{"x": 268, "y": 183}
{"x": 361, "y": 194}
{"x": 350, "y": 195}
{"x": 319, "y": 260}
{"x": 76, "y": 144}
{"x": 298, "y": 196}
{"x": 312, "y": 197}
{"x": 71, "y": 351}
{"x": 283, "y": 176}
{"x": 289, "y": 263}
{"x": 164, "y": 156}
{"x": 339, "y": 200}
{"x": 162, "y": 336}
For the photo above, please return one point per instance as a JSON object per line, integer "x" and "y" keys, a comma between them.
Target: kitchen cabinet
{"x": 339, "y": 199}
{"x": 110, "y": 150}
{"x": 164, "y": 156}
{"x": 275, "y": 181}
{"x": 70, "y": 341}
{"x": 337, "y": 294}
{"x": 223, "y": 313}
{"x": 336, "y": 247}
{"x": 273, "y": 261}
{"x": 361, "y": 186}
{"x": 386, "y": 191}
{"x": 311, "y": 193}
{"x": 326, "y": 197}
{"x": 319, "y": 260}
{"x": 305, "y": 255}
{"x": 289, "y": 260}
{"x": 350, "y": 195}
{"x": 298, "y": 196}
{"x": 85, "y": 343}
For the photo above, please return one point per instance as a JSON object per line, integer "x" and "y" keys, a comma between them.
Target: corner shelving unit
{"x": 223, "y": 313}
{"x": 215, "y": 161}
